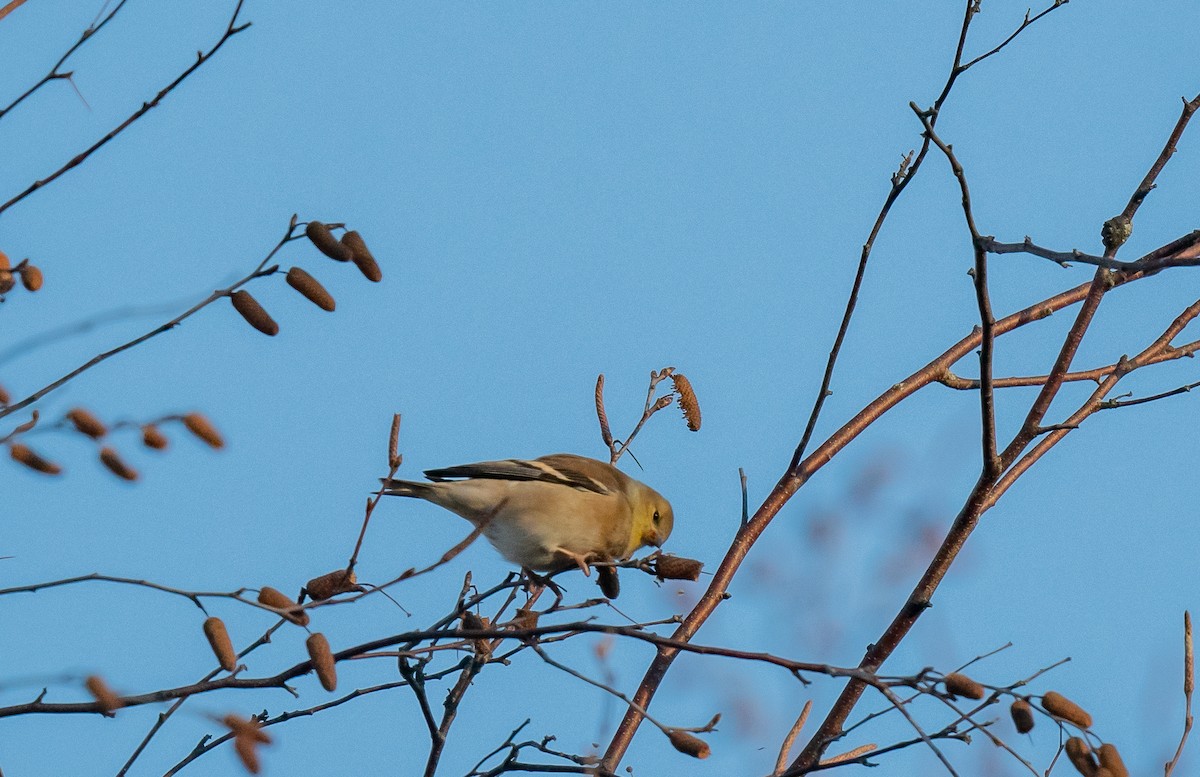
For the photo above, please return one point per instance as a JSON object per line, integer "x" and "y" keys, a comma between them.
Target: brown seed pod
{"x": 339, "y": 581}
{"x": 961, "y": 685}
{"x": 687, "y": 401}
{"x": 106, "y": 698}
{"x": 362, "y": 257}
{"x": 7, "y": 282}
{"x": 1081, "y": 757}
{"x": 5, "y": 397}
{"x": 116, "y": 465}
{"x": 86, "y": 423}
{"x": 610, "y": 584}
{"x": 250, "y": 728}
{"x": 312, "y": 290}
{"x": 275, "y": 598}
{"x": 31, "y": 277}
{"x": 322, "y": 660}
{"x": 23, "y": 454}
{"x": 200, "y": 426}
{"x": 218, "y": 640}
{"x": 1111, "y": 760}
{"x": 326, "y": 243}
{"x": 1061, "y": 707}
{"x": 1022, "y": 715}
{"x": 688, "y": 744}
{"x": 152, "y": 437}
{"x": 676, "y": 568}
{"x": 253, "y": 312}
{"x": 605, "y": 431}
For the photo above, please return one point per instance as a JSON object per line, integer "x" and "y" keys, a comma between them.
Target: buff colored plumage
{"x": 549, "y": 513}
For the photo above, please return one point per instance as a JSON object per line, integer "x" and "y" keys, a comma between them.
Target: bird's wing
{"x": 561, "y": 468}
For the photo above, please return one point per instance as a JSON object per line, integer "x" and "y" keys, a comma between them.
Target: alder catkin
{"x": 152, "y": 437}
{"x": 362, "y": 257}
{"x": 688, "y": 744}
{"x": 1111, "y": 760}
{"x": 31, "y": 277}
{"x": 1081, "y": 757}
{"x": 200, "y": 426}
{"x": 218, "y": 640}
{"x": 322, "y": 660}
{"x": 961, "y": 685}
{"x": 6, "y": 278}
{"x": 1061, "y": 707}
{"x": 610, "y": 584}
{"x": 86, "y": 423}
{"x": 339, "y": 581}
{"x": 687, "y": 401}
{"x": 116, "y": 465}
{"x": 677, "y": 568}
{"x": 1022, "y": 715}
{"x": 275, "y": 598}
{"x": 105, "y": 697}
{"x": 312, "y": 290}
{"x": 253, "y": 312}
{"x": 23, "y": 454}
{"x": 326, "y": 243}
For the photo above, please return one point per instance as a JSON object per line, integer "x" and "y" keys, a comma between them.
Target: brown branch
{"x": 54, "y": 75}
{"x": 987, "y": 337}
{"x": 259, "y": 271}
{"x": 231, "y": 29}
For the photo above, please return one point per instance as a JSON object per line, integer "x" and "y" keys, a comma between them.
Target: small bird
{"x": 551, "y": 513}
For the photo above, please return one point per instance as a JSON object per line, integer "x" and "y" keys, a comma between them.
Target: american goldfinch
{"x": 550, "y": 513}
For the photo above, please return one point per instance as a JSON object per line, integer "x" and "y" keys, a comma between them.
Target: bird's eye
{"x": 657, "y": 517}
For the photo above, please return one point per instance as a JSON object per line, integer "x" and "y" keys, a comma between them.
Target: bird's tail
{"x": 405, "y": 488}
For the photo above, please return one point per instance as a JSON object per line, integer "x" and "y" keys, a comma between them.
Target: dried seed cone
{"x": 1111, "y": 760}
{"x": 312, "y": 290}
{"x": 23, "y": 454}
{"x": 1081, "y": 757}
{"x": 677, "y": 568}
{"x": 152, "y": 437}
{"x": 688, "y": 744}
{"x": 1022, "y": 715}
{"x": 116, "y": 465}
{"x": 1061, "y": 707}
{"x": 218, "y": 640}
{"x": 961, "y": 685}
{"x": 525, "y": 618}
{"x": 322, "y": 660}
{"x": 331, "y": 584}
{"x": 362, "y": 257}
{"x": 31, "y": 277}
{"x": 610, "y": 584}
{"x": 253, "y": 312}
{"x": 273, "y": 597}
{"x": 203, "y": 429}
{"x": 106, "y": 697}
{"x": 86, "y": 423}
{"x": 687, "y": 401}
{"x": 326, "y": 243}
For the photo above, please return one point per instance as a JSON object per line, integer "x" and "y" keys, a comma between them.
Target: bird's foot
{"x": 580, "y": 561}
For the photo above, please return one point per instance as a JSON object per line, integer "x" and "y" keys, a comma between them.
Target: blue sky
{"x": 554, "y": 191}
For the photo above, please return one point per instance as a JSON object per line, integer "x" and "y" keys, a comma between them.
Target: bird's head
{"x": 652, "y": 518}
